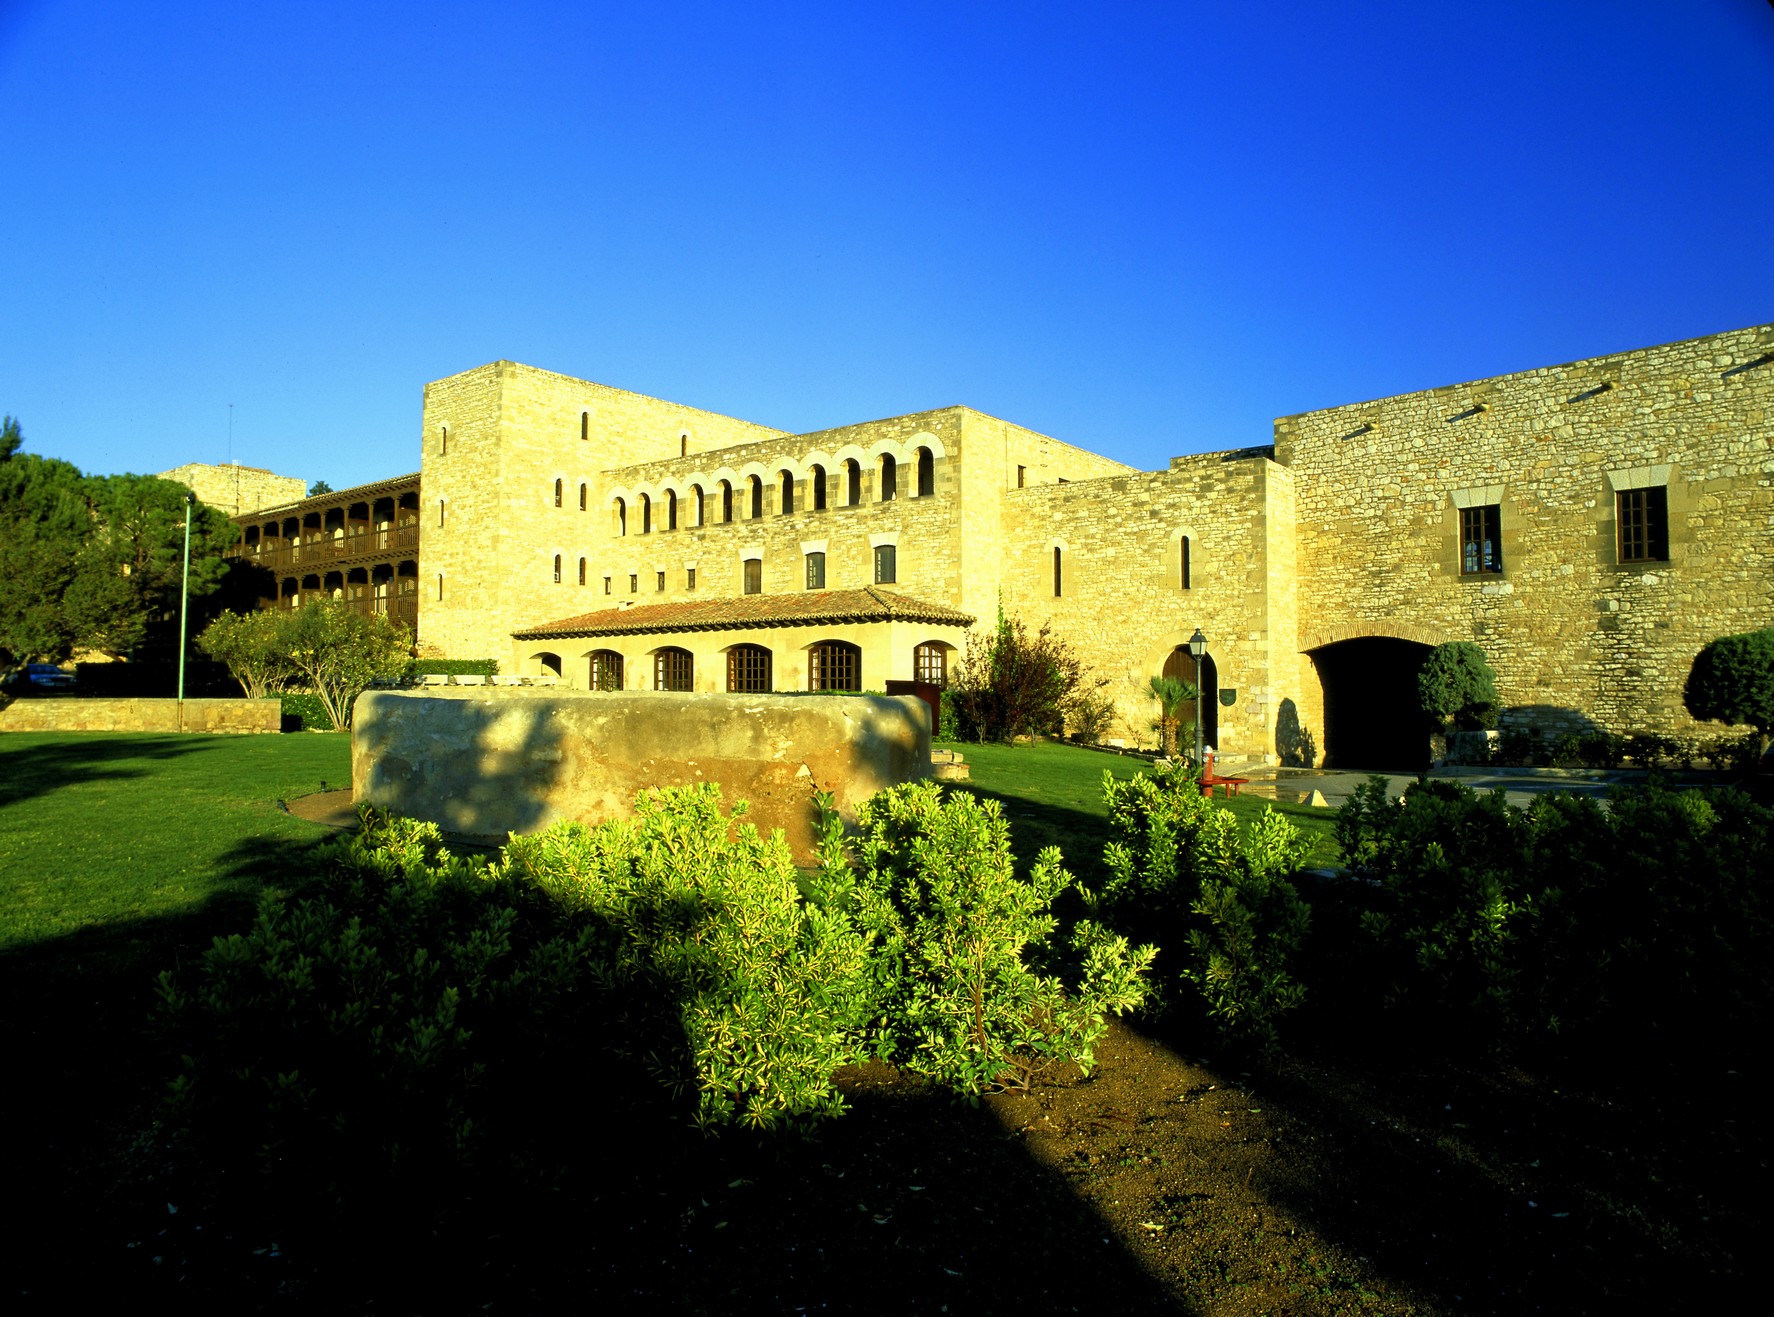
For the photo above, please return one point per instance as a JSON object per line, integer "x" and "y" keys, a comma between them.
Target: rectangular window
{"x": 816, "y": 571}
{"x": 659, "y": 587}
{"x": 1021, "y": 475}
{"x": 886, "y": 565}
{"x": 606, "y": 585}
{"x": 634, "y": 583}
{"x": 754, "y": 575}
{"x": 689, "y": 578}
{"x": 582, "y": 571}
{"x": 1481, "y": 540}
{"x": 1644, "y": 524}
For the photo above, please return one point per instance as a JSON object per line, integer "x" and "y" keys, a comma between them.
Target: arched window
{"x": 1185, "y": 563}
{"x": 440, "y": 506}
{"x": 889, "y": 477}
{"x": 683, "y": 445}
{"x": 852, "y": 482}
{"x": 886, "y": 564}
{"x": 584, "y": 426}
{"x": 443, "y": 440}
{"x": 557, "y": 493}
{"x": 757, "y": 496}
{"x": 581, "y": 496}
{"x": 930, "y": 663}
{"x": 701, "y": 506}
{"x": 674, "y": 670}
{"x": 816, "y": 487}
{"x": 834, "y": 665}
{"x": 582, "y": 571}
{"x": 646, "y": 514}
{"x": 748, "y": 669}
{"x": 557, "y": 569}
{"x": 786, "y": 504}
{"x": 606, "y": 670}
{"x": 1058, "y": 579}
{"x": 622, "y": 516}
{"x": 726, "y": 500}
{"x": 671, "y": 509}
{"x": 547, "y": 664}
{"x": 926, "y": 473}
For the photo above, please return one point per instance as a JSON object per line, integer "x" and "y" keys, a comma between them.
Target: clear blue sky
{"x": 1147, "y": 229}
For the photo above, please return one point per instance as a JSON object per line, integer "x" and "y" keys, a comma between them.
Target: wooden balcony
{"x": 275, "y": 554}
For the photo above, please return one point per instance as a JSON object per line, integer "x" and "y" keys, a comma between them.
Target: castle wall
{"x": 1122, "y": 604}
{"x": 237, "y": 489}
{"x": 1575, "y": 634}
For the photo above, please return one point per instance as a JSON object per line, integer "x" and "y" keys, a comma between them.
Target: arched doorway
{"x": 1371, "y": 715}
{"x": 1181, "y": 665}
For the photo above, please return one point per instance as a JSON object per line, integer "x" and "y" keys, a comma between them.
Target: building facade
{"x": 1590, "y": 525}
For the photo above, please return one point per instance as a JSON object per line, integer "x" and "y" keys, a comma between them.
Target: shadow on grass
{"x": 28, "y": 771}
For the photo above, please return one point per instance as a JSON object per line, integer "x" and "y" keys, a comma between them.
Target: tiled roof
{"x": 869, "y": 604}
{"x": 356, "y": 494}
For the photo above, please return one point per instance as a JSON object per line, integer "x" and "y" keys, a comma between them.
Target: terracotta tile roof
{"x": 869, "y": 604}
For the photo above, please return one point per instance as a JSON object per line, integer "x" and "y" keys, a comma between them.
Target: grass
{"x": 1053, "y": 796}
{"x": 103, "y": 831}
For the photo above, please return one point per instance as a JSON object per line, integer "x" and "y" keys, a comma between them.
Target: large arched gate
{"x": 1371, "y": 715}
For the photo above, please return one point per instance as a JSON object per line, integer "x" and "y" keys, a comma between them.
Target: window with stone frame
{"x": 1481, "y": 540}
{"x": 886, "y": 564}
{"x": 659, "y": 583}
{"x": 606, "y": 670}
{"x": 816, "y": 571}
{"x": 754, "y": 576}
{"x": 930, "y": 664}
{"x": 1643, "y": 517}
{"x": 834, "y": 665}
{"x": 926, "y": 473}
{"x": 748, "y": 670}
{"x": 674, "y": 669}
{"x": 634, "y": 583}
{"x": 689, "y": 578}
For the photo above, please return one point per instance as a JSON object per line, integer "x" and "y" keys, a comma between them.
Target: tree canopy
{"x": 1012, "y": 684}
{"x": 95, "y": 562}
{"x": 1732, "y": 681}
{"x": 1457, "y": 686}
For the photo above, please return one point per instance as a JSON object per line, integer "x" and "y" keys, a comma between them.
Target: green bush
{"x": 303, "y": 711}
{"x": 1010, "y": 684}
{"x": 1180, "y": 872}
{"x": 970, "y": 986}
{"x": 1458, "y": 688}
{"x": 729, "y": 986}
{"x": 1568, "y": 927}
{"x": 1732, "y": 681}
{"x": 435, "y": 667}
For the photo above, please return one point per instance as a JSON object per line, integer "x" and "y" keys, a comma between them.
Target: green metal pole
{"x": 185, "y": 593}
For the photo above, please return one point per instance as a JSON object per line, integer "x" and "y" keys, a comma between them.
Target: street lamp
{"x": 185, "y": 597}
{"x": 1198, "y": 647}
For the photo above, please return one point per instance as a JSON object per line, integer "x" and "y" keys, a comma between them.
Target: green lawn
{"x": 125, "y": 833}
{"x": 1053, "y": 796}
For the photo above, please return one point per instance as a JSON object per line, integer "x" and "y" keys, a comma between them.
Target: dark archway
{"x": 1181, "y": 665}
{"x": 1371, "y": 715}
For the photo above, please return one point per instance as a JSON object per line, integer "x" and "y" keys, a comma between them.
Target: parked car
{"x": 38, "y": 677}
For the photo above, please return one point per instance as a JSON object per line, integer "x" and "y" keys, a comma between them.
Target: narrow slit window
{"x": 582, "y": 571}
{"x": 557, "y": 493}
{"x": 584, "y": 426}
{"x": 1058, "y": 573}
{"x": 557, "y": 569}
{"x": 582, "y": 497}
{"x": 659, "y": 585}
{"x": 689, "y": 578}
{"x": 1185, "y": 563}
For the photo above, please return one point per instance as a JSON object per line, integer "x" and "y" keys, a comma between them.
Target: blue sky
{"x": 1144, "y": 229}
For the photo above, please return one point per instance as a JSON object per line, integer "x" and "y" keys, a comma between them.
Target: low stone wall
{"x": 496, "y": 761}
{"x": 71, "y": 714}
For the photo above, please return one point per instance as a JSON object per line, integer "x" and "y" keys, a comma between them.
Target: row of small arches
{"x": 832, "y": 665}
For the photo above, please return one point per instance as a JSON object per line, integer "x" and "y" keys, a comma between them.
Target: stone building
{"x": 237, "y": 489}
{"x": 1590, "y": 525}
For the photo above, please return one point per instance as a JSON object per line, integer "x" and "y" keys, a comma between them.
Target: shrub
{"x": 1732, "y": 681}
{"x": 436, "y": 667}
{"x": 728, "y": 985}
{"x": 249, "y": 644}
{"x": 967, "y": 974}
{"x": 1457, "y": 687}
{"x": 1010, "y": 685}
{"x": 1180, "y": 871}
{"x": 304, "y": 712}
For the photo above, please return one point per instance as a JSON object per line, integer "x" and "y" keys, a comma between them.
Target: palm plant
{"x": 1173, "y": 693}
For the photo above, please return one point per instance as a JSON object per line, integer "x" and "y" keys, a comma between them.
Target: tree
{"x": 1732, "y": 681}
{"x": 10, "y": 437}
{"x": 250, "y": 644}
{"x": 1457, "y": 686}
{"x": 1173, "y": 693}
{"x": 1010, "y": 685}
{"x": 338, "y": 652}
{"x": 318, "y": 488}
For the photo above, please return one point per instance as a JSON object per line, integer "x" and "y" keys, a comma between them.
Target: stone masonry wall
{"x": 63, "y": 714}
{"x": 513, "y": 431}
{"x": 237, "y": 489}
{"x": 1576, "y": 636}
{"x": 1122, "y": 605}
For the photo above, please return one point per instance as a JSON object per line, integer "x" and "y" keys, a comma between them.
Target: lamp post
{"x": 185, "y": 596}
{"x": 1198, "y": 647}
